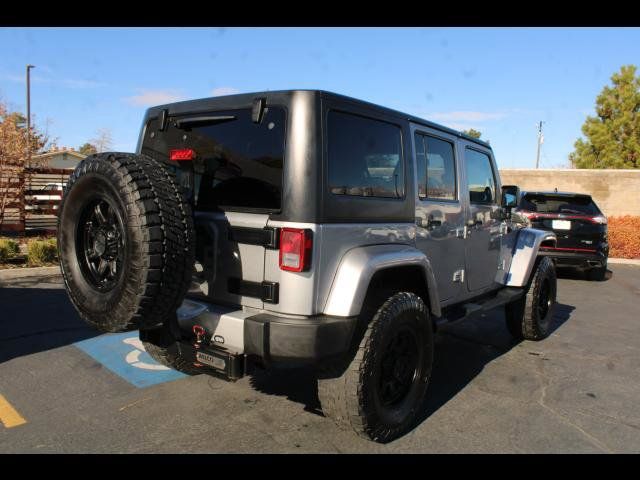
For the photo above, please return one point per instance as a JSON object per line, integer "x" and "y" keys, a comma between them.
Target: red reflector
{"x": 182, "y": 154}
{"x": 295, "y": 249}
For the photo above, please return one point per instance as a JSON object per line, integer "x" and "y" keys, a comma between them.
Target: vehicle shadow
{"x": 33, "y": 320}
{"x": 575, "y": 274}
{"x": 462, "y": 349}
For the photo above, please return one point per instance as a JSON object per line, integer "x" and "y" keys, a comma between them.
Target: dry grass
{"x": 41, "y": 252}
{"x": 8, "y": 249}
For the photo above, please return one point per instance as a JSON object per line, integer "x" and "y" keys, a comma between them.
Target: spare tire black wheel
{"x": 125, "y": 241}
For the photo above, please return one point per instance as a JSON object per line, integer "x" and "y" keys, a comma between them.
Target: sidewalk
{"x": 9, "y": 274}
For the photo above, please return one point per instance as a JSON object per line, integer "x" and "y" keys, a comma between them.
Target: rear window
{"x": 579, "y": 204}
{"x": 238, "y": 164}
{"x": 365, "y": 157}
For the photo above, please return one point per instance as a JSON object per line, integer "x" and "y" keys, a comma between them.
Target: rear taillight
{"x": 600, "y": 219}
{"x": 182, "y": 154}
{"x": 295, "y": 249}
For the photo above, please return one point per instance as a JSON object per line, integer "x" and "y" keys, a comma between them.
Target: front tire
{"x": 529, "y": 317}
{"x": 379, "y": 393}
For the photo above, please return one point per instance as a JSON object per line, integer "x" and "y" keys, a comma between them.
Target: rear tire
{"x": 529, "y": 317}
{"x": 162, "y": 344}
{"x": 379, "y": 392}
{"x": 125, "y": 241}
{"x": 598, "y": 274}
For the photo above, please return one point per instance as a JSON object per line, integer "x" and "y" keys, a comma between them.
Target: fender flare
{"x": 524, "y": 254}
{"x": 358, "y": 266}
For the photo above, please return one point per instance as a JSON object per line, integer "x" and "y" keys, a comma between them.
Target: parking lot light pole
{"x": 29, "y": 67}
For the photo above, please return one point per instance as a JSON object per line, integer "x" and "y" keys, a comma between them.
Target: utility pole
{"x": 540, "y": 140}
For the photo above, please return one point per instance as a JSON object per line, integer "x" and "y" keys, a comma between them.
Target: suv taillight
{"x": 295, "y": 249}
{"x": 599, "y": 219}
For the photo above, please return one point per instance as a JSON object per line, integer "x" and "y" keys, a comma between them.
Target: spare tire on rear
{"x": 125, "y": 241}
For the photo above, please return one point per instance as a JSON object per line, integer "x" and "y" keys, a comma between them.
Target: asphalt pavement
{"x": 66, "y": 388}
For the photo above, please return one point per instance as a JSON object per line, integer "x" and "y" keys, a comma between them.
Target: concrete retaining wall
{"x": 617, "y": 192}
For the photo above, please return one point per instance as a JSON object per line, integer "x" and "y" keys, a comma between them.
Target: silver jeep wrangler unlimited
{"x": 301, "y": 227}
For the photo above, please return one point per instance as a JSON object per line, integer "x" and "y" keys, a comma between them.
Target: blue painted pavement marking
{"x": 124, "y": 355}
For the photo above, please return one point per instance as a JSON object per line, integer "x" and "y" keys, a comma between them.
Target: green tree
{"x": 613, "y": 136}
{"x": 472, "y": 133}
{"x": 88, "y": 149}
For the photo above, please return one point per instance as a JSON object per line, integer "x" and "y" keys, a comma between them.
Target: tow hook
{"x": 200, "y": 335}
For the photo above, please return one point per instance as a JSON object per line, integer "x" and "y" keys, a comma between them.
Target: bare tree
{"x": 103, "y": 140}
{"x": 13, "y": 145}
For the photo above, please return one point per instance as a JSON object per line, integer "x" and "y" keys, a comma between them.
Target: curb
{"x": 14, "y": 273}
{"x": 625, "y": 261}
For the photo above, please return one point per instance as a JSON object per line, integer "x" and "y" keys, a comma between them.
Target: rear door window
{"x": 545, "y": 203}
{"x": 436, "y": 168}
{"x": 238, "y": 164}
{"x": 365, "y": 157}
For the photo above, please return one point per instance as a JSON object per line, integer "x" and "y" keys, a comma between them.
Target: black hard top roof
{"x": 247, "y": 97}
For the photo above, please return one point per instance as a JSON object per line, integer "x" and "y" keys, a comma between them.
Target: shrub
{"x": 8, "y": 249}
{"x": 624, "y": 241}
{"x": 40, "y": 252}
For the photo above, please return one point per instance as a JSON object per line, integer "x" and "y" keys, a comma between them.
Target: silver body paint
{"x": 469, "y": 253}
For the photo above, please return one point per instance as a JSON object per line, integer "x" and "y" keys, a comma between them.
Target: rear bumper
{"x": 272, "y": 338}
{"x": 576, "y": 259}
{"x": 308, "y": 340}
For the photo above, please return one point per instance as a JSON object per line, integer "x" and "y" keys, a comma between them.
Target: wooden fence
{"x": 30, "y": 200}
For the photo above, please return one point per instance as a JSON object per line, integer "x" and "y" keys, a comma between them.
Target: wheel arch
{"x": 365, "y": 268}
{"x": 525, "y": 254}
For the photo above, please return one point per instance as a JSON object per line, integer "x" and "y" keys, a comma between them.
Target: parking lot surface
{"x": 78, "y": 391}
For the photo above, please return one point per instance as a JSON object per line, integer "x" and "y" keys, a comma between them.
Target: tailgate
{"x": 231, "y": 251}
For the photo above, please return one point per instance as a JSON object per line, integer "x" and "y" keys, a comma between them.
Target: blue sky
{"x": 501, "y": 81}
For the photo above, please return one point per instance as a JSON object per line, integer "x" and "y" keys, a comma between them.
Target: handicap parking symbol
{"x": 124, "y": 355}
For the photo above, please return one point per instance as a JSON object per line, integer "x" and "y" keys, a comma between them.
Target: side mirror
{"x": 510, "y": 195}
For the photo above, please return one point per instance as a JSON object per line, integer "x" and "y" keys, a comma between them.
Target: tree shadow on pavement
{"x": 37, "y": 319}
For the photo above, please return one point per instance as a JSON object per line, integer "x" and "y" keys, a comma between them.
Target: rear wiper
{"x": 208, "y": 120}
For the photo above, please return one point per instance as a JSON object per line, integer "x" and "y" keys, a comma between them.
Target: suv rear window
{"x": 549, "y": 203}
{"x": 365, "y": 157}
{"x": 238, "y": 164}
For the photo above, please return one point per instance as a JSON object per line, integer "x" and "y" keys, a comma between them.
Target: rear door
{"x": 235, "y": 183}
{"x": 439, "y": 212}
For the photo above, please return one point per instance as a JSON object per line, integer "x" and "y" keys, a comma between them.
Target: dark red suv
{"x": 580, "y": 226}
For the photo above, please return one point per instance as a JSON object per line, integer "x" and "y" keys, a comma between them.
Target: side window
{"x": 436, "y": 168}
{"x": 480, "y": 178}
{"x": 441, "y": 170}
{"x": 421, "y": 164}
{"x": 365, "y": 157}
